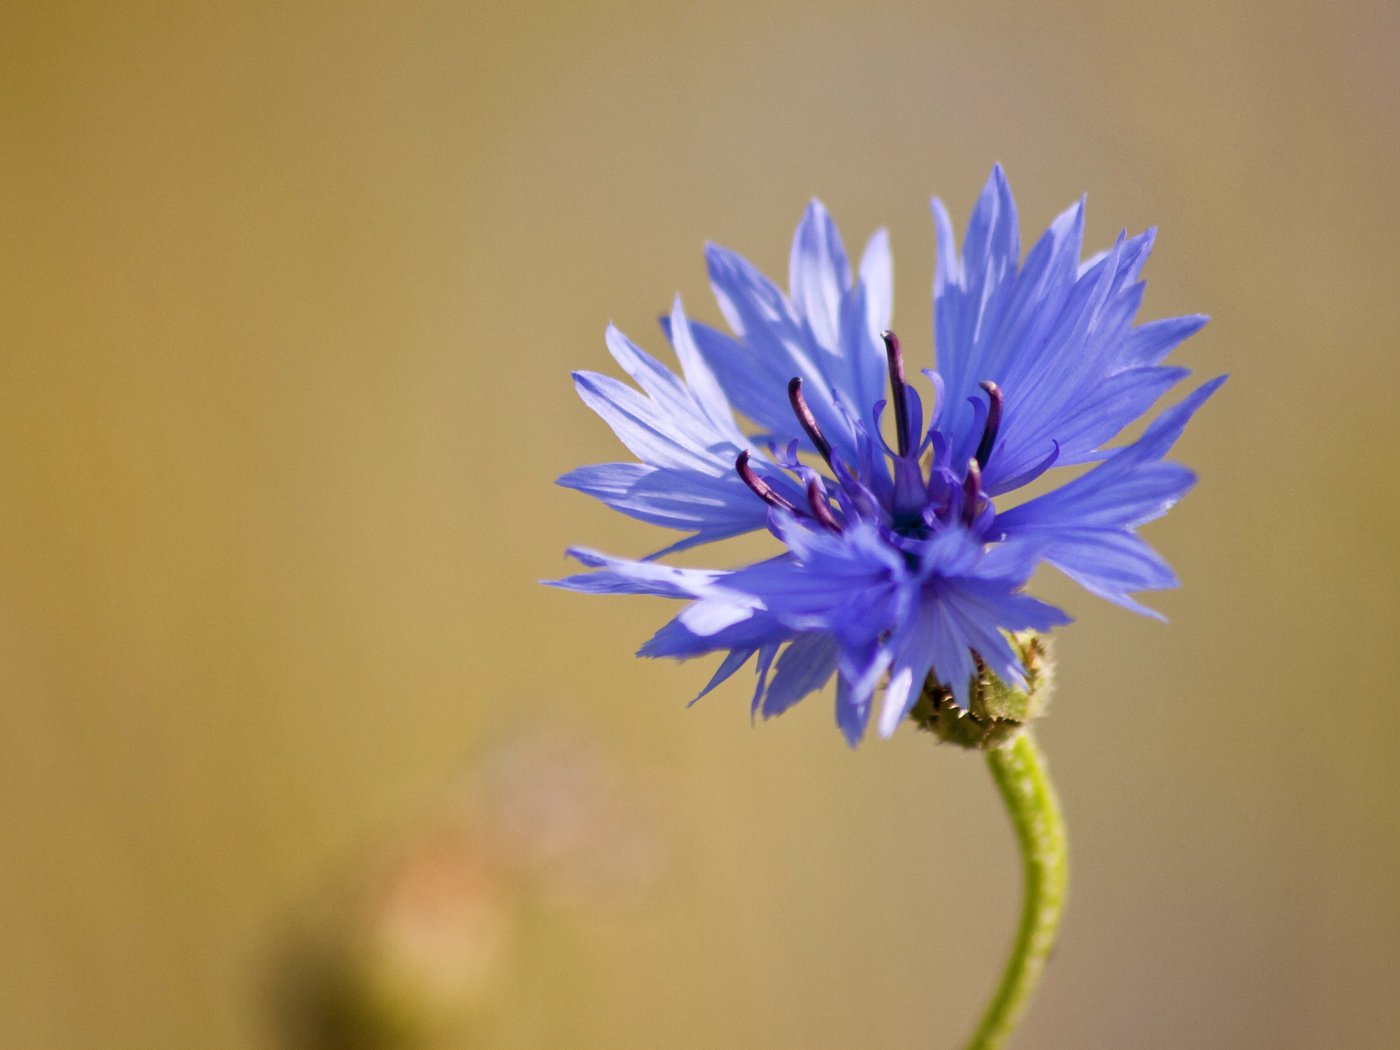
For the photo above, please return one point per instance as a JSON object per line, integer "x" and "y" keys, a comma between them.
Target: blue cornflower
{"x": 904, "y": 557}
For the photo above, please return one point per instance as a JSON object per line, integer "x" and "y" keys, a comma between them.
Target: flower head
{"x": 905, "y": 552}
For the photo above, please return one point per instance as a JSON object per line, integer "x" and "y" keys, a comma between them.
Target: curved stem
{"x": 1019, "y": 772}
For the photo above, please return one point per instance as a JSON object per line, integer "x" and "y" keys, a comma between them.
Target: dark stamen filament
{"x": 899, "y": 398}
{"x": 989, "y": 432}
{"x": 972, "y": 492}
{"x": 761, "y": 488}
{"x": 817, "y": 500}
{"x": 804, "y": 415}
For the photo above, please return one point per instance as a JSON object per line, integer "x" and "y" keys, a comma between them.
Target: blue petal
{"x": 805, "y": 666}
{"x": 852, "y": 711}
{"x": 971, "y": 290}
{"x": 1163, "y": 431}
{"x": 696, "y": 409}
{"x": 715, "y": 508}
{"x": 1056, "y": 336}
{"x": 657, "y": 381}
{"x": 993, "y": 232}
{"x": 756, "y": 310}
{"x": 1078, "y": 433}
{"x": 877, "y": 279}
{"x": 621, "y": 576}
{"x": 921, "y": 642}
{"x": 677, "y": 641}
{"x": 1049, "y": 374}
{"x": 858, "y": 361}
{"x": 753, "y": 383}
{"x": 779, "y": 350}
{"x": 858, "y": 374}
{"x": 966, "y": 601}
{"x": 732, "y": 661}
{"x": 716, "y": 611}
{"x": 819, "y": 275}
{"x": 862, "y": 667}
{"x": 1057, "y": 384}
{"x": 1085, "y": 527}
{"x": 1111, "y": 564}
{"x": 649, "y": 433}
{"x": 1107, "y": 500}
{"x": 1149, "y": 343}
{"x": 765, "y": 661}
{"x": 699, "y": 377}
{"x": 1041, "y": 287}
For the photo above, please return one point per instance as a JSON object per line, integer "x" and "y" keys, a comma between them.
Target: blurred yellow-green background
{"x": 289, "y": 294}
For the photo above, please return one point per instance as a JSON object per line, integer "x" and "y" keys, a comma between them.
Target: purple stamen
{"x": 898, "y": 398}
{"x": 804, "y": 415}
{"x": 989, "y": 431}
{"x": 816, "y": 499}
{"x": 761, "y": 488}
{"x": 972, "y": 492}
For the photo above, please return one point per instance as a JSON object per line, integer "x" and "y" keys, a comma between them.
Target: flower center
{"x": 911, "y": 502}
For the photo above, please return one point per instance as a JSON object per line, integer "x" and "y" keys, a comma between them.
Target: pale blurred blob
{"x": 561, "y": 817}
{"x": 416, "y": 951}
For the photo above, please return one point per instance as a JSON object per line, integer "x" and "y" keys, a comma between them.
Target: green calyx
{"x": 996, "y": 711}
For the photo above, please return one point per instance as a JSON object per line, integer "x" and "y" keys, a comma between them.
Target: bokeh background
{"x": 295, "y": 752}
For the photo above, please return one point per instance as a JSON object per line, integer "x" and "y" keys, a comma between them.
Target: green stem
{"x": 1019, "y": 772}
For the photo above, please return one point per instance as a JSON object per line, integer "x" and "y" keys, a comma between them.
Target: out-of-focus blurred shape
{"x": 415, "y": 953}
{"x": 559, "y": 814}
